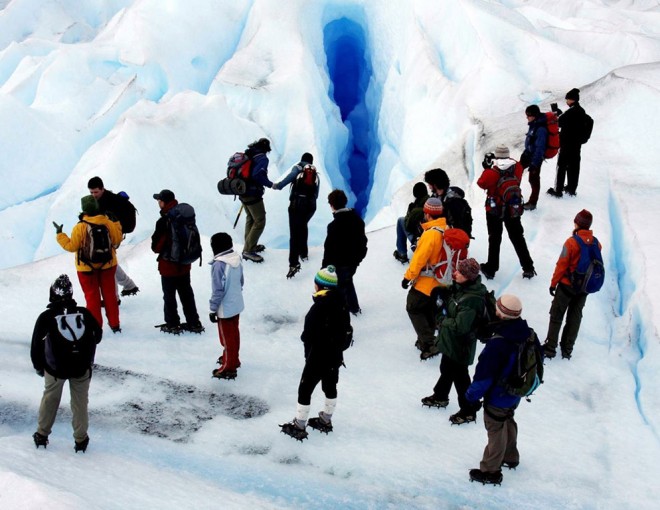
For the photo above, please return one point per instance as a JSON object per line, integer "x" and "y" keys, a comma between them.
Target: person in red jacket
{"x": 500, "y": 215}
{"x": 565, "y": 299}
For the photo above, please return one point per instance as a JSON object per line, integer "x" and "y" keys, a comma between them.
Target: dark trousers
{"x": 345, "y": 285}
{"x": 181, "y": 284}
{"x": 301, "y": 210}
{"x": 535, "y": 184}
{"x": 566, "y": 302}
{"x": 311, "y": 376}
{"x": 517, "y": 236}
{"x": 454, "y": 373}
{"x": 568, "y": 166}
{"x": 422, "y": 312}
{"x": 502, "y": 439}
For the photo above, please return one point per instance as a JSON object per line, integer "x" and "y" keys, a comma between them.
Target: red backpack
{"x": 239, "y": 166}
{"x": 552, "y": 145}
{"x": 455, "y": 244}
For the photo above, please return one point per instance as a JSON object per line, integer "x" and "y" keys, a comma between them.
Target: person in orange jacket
{"x": 565, "y": 298}
{"x": 97, "y": 279}
{"x": 420, "y": 303}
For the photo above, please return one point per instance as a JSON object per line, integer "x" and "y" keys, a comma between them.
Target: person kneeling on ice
{"x": 494, "y": 368}
{"x": 326, "y": 334}
{"x": 226, "y": 302}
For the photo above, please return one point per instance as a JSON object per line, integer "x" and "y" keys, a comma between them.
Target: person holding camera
{"x": 571, "y": 137}
{"x": 501, "y": 180}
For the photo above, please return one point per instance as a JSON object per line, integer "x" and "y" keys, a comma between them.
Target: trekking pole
{"x": 238, "y": 215}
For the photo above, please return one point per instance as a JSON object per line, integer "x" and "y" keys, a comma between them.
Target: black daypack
{"x": 96, "y": 248}
{"x": 306, "y": 182}
{"x": 482, "y": 329}
{"x": 186, "y": 246}
{"x": 527, "y": 372}
{"x": 589, "y": 275}
{"x": 69, "y": 347}
{"x": 125, "y": 212}
{"x": 587, "y": 128}
{"x": 457, "y": 210}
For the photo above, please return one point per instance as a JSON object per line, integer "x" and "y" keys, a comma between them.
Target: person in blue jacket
{"x": 495, "y": 363}
{"x": 253, "y": 199}
{"x": 534, "y": 153}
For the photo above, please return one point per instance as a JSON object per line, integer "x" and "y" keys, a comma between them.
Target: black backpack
{"x": 587, "y": 128}
{"x": 239, "y": 172}
{"x": 482, "y": 329}
{"x": 306, "y": 182}
{"x": 527, "y": 372}
{"x": 125, "y": 212}
{"x": 69, "y": 344}
{"x": 96, "y": 247}
{"x": 457, "y": 210}
{"x": 185, "y": 246}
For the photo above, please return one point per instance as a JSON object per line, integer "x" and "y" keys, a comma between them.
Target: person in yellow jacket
{"x": 420, "y": 303}
{"x": 96, "y": 266}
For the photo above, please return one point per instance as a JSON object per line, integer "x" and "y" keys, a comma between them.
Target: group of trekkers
{"x": 447, "y": 303}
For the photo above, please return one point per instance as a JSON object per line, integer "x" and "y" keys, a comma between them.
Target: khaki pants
{"x": 79, "y": 388}
{"x": 255, "y": 223}
{"x": 502, "y": 438}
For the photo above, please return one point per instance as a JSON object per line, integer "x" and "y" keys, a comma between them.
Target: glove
{"x": 552, "y": 290}
{"x": 476, "y": 406}
{"x": 58, "y": 228}
{"x": 40, "y": 373}
{"x": 274, "y": 186}
{"x": 213, "y": 317}
{"x": 488, "y": 160}
{"x": 405, "y": 283}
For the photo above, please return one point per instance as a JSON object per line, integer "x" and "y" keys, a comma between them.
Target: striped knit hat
{"x": 326, "y": 277}
{"x": 433, "y": 207}
{"x": 509, "y": 306}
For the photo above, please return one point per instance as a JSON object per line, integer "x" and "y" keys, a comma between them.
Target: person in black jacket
{"x": 571, "y": 136}
{"x": 118, "y": 208}
{"x": 63, "y": 347}
{"x": 345, "y": 246}
{"x": 326, "y": 334}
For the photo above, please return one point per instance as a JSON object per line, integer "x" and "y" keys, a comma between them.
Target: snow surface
{"x": 156, "y": 94}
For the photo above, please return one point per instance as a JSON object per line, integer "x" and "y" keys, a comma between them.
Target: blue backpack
{"x": 589, "y": 275}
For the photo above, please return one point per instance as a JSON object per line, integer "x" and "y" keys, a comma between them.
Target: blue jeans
{"x": 402, "y": 235}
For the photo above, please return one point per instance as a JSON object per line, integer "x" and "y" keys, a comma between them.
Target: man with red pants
{"x": 97, "y": 278}
{"x": 226, "y": 302}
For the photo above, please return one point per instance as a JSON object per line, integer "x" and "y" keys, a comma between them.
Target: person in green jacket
{"x": 457, "y": 340}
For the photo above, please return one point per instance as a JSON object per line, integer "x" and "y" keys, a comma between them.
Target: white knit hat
{"x": 509, "y": 306}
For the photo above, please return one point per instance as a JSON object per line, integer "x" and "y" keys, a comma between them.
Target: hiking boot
{"x": 40, "y": 440}
{"x": 293, "y": 271}
{"x": 429, "y": 353}
{"x": 357, "y": 312}
{"x": 510, "y": 465}
{"x": 528, "y": 206}
{"x": 401, "y": 257}
{"x": 225, "y": 374}
{"x": 304, "y": 258}
{"x": 462, "y": 417}
{"x": 81, "y": 446}
{"x": 565, "y": 355}
{"x": 130, "y": 292}
{"x": 549, "y": 352}
{"x": 116, "y": 329}
{"x": 253, "y": 256}
{"x": 554, "y": 193}
{"x": 493, "y": 477}
{"x": 487, "y": 272}
{"x": 322, "y": 423}
{"x": 529, "y": 274}
{"x": 295, "y": 429}
{"x": 570, "y": 192}
{"x": 174, "y": 329}
{"x": 433, "y": 401}
{"x": 195, "y": 328}
{"x": 259, "y": 248}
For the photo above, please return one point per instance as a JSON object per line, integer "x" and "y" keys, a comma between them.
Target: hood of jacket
{"x": 229, "y": 257}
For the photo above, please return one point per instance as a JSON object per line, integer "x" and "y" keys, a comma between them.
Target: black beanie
{"x": 307, "y": 158}
{"x": 221, "y": 242}
{"x": 533, "y": 110}
{"x": 573, "y": 94}
{"x": 61, "y": 289}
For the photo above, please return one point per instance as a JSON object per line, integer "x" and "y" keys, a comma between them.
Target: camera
{"x": 488, "y": 160}
{"x": 553, "y": 107}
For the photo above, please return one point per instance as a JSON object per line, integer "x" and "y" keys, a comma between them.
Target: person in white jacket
{"x": 226, "y": 302}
